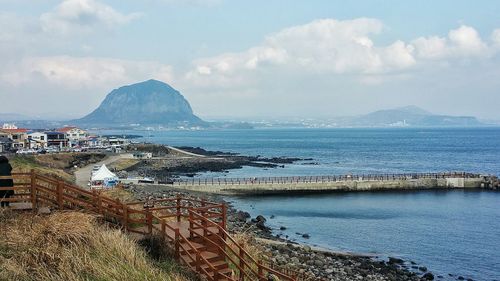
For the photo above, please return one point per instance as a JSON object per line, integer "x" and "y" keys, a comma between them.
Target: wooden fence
{"x": 194, "y": 229}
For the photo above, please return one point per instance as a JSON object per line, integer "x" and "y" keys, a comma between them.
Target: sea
{"x": 449, "y": 232}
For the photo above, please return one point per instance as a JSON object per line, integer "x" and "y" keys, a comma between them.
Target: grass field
{"x": 73, "y": 246}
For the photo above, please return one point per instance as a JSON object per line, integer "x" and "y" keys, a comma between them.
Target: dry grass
{"x": 24, "y": 164}
{"x": 123, "y": 164}
{"x": 72, "y": 246}
{"x": 119, "y": 194}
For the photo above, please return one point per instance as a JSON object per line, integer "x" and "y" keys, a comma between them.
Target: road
{"x": 82, "y": 175}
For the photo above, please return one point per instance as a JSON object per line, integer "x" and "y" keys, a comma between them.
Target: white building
{"x": 75, "y": 136}
{"x": 37, "y": 140}
{"x": 9, "y": 126}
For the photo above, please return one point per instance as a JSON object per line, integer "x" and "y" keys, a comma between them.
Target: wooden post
{"x": 125, "y": 217}
{"x": 203, "y": 221}
{"x": 241, "y": 256}
{"x": 177, "y": 241}
{"x": 198, "y": 261}
{"x": 191, "y": 224}
{"x": 149, "y": 221}
{"x": 60, "y": 201}
{"x": 163, "y": 227}
{"x": 178, "y": 208}
{"x": 33, "y": 191}
{"x": 224, "y": 216}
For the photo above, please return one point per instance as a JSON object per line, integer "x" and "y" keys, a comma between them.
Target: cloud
{"x": 322, "y": 46}
{"x": 463, "y": 42}
{"x": 495, "y": 37}
{"x": 83, "y": 15}
{"x": 83, "y": 72}
{"x": 334, "y": 47}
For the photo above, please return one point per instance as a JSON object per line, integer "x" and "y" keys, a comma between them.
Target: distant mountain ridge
{"x": 412, "y": 116}
{"x": 146, "y": 103}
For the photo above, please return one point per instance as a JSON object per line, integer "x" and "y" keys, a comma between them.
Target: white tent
{"x": 103, "y": 178}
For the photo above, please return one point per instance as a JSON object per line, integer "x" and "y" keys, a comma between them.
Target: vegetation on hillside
{"x": 73, "y": 246}
{"x": 58, "y": 165}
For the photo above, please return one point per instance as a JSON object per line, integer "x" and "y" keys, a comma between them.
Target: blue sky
{"x": 252, "y": 59}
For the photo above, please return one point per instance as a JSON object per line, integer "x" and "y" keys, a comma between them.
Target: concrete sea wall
{"x": 351, "y": 185}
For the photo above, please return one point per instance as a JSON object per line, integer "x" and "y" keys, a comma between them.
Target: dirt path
{"x": 82, "y": 175}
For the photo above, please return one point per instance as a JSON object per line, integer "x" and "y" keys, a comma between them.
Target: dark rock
{"x": 460, "y": 278}
{"x": 305, "y": 235}
{"x": 282, "y": 228}
{"x": 422, "y": 268}
{"x": 428, "y": 276}
{"x": 242, "y": 216}
{"x": 395, "y": 260}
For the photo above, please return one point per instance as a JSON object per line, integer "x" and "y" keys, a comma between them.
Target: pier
{"x": 368, "y": 182}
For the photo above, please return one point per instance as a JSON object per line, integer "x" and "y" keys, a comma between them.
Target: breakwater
{"x": 269, "y": 185}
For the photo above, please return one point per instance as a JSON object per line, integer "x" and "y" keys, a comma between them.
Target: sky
{"x": 253, "y": 59}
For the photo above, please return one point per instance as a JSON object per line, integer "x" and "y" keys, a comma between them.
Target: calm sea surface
{"x": 448, "y": 231}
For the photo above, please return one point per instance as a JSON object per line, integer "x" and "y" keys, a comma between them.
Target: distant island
{"x": 408, "y": 116}
{"x": 411, "y": 116}
{"x": 149, "y": 103}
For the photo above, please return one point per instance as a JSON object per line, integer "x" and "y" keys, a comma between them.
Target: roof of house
{"x": 14, "y": 131}
{"x": 66, "y": 129}
{"x": 53, "y": 133}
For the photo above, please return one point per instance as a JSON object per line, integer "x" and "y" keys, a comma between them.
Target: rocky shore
{"x": 169, "y": 164}
{"x": 311, "y": 263}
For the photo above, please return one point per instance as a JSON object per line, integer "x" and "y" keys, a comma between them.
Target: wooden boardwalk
{"x": 194, "y": 230}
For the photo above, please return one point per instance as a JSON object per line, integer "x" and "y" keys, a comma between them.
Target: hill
{"x": 147, "y": 103}
{"x": 412, "y": 116}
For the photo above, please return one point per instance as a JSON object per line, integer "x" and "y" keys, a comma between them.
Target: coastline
{"x": 311, "y": 262}
{"x": 331, "y": 263}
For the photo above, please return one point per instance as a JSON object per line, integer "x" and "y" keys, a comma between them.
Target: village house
{"x": 18, "y": 137}
{"x": 37, "y": 140}
{"x": 5, "y": 144}
{"x": 74, "y": 135}
{"x": 56, "y": 139}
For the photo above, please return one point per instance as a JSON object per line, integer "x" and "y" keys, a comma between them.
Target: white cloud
{"x": 322, "y": 46}
{"x": 83, "y": 15}
{"x": 495, "y": 37}
{"x": 463, "y": 42}
{"x": 332, "y": 47}
{"x": 83, "y": 72}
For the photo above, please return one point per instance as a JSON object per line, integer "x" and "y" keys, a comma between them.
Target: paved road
{"x": 82, "y": 175}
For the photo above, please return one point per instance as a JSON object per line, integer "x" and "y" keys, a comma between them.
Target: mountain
{"x": 149, "y": 103}
{"x": 5, "y": 117}
{"x": 412, "y": 116}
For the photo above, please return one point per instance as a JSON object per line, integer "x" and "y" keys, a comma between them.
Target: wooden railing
{"x": 207, "y": 223}
{"x": 247, "y": 267}
{"x": 322, "y": 179}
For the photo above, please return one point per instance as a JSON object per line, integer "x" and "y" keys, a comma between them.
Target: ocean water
{"x": 357, "y": 151}
{"x": 455, "y": 232}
